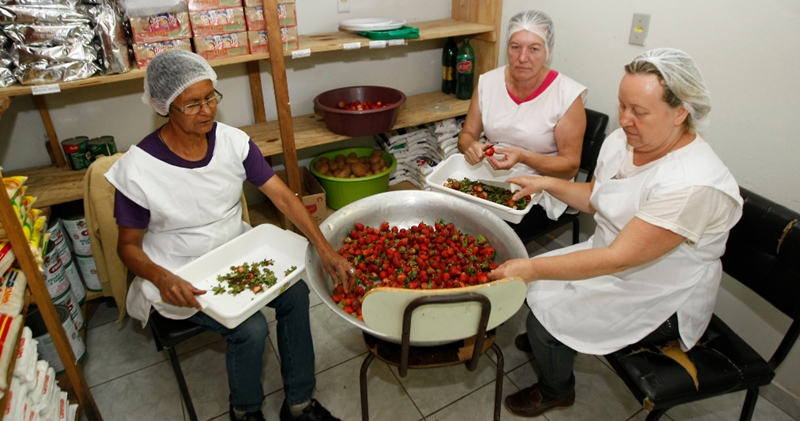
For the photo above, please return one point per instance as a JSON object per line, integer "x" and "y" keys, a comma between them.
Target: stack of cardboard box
{"x": 153, "y": 34}
{"x": 219, "y": 28}
{"x": 257, "y": 27}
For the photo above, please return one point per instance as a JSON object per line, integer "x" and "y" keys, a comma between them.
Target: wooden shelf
{"x": 310, "y": 130}
{"x": 333, "y": 41}
{"x": 52, "y": 185}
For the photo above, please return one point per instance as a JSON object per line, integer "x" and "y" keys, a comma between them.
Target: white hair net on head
{"x": 170, "y": 73}
{"x": 683, "y": 77}
{"x": 536, "y": 22}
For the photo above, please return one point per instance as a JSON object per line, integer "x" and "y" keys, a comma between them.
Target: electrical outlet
{"x": 344, "y": 6}
{"x": 639, "y": 29}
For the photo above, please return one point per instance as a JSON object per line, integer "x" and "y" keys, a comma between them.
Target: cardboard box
{"x": 160, "y": 27}
{"x": 215, "y": 47}
{"x": 217, "y": 21}
{"x": 198, "y": 5}
{"x": 145, "y": 52}
{"x": 258, "y": 40}
{"x": 287, "y": 16}
{"x": 313, "y": 196}
{"x": 259, "y": 3}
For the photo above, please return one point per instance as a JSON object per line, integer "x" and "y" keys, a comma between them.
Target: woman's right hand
{"x": 531, "y": 184}
{"x": 178, "y": 292}
{"x": 476, "y": 152}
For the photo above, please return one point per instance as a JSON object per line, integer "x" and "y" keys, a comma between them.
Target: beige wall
{"x": 749, "y": 53}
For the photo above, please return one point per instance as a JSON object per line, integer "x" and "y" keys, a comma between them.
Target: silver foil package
{"x": 44, "y": 72}
{"x": 6, "y": 77}
{"x": 57, "y": 53}
{"x": 114, "y": 46}
{"x": 69, "y": 3}
{"x": 52, "y": 13}
{"x": 38, "y": 34}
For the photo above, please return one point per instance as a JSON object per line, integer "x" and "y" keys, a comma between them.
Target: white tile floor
{"x": 130, "y": 380}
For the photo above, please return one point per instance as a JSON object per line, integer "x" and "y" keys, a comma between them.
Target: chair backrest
{"x": 763, "y": 253}
{"x": 593, "y": 137}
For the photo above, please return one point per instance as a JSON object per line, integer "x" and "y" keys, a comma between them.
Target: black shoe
{"x": 313, "y": 412}
{"x": 250, "y": 416}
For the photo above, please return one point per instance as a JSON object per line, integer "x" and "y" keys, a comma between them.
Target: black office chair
{"x": 593, "y": 138}
{"x": 169, "y": 333}
{"x": 467, "y": 351}
{"x": 763, "y": 253}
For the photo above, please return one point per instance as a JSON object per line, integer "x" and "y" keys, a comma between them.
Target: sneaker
{"x": 250, "y": 416}
{"x": 313, "y": 412}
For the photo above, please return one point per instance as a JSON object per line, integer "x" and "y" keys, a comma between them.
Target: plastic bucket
{"x": 46, "y": 347}
{"x": 343, "y": 191}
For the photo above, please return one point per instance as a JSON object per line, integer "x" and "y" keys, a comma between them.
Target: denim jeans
{"x": 246, "y": 344}
{"x": 554, "y": 361}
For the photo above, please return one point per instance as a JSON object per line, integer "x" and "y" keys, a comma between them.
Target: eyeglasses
{"x": 195, "y": 107}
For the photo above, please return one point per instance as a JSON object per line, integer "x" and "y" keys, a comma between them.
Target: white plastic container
{"x": 266, "y": 241}
{"x": 457, "y": 167}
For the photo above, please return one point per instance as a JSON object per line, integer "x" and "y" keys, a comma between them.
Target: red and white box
{"x": 259, "y": 3}
{"x": 146, "y": 51}
{"x": 258, "y": 40}
{"x": 198, "y": 5}
{"x": 217, "y": 21}
{"x": 160, "y": 27}
{"x": 215, "y": 47}
{"x": 287, "y": 16}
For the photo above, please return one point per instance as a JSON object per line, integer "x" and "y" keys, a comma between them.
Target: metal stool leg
{"x": 176, "y": 367}
{"x": 363, "y": 383}
{"x": 498, "y": 389}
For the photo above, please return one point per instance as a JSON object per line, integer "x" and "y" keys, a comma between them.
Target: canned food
{"x": 77, "y": 151}
{"x": 103, "y": 145}
{"x": 46, "y": 347}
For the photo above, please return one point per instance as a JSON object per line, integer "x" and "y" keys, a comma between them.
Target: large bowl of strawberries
{"x": 416, "y": 243}
{"x": 359, "y": 110}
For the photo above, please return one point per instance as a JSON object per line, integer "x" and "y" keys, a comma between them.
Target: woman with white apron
{"x": 663, "y": 203}
{"x": 532, "y": 115}
{"x": 177, "y": 198}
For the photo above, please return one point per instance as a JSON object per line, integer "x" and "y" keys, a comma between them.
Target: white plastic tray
{"x": 266, "y": 241}
{"x": 457, "y": 167}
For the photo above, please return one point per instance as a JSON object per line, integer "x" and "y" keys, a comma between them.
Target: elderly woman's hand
{"x": 338, "y": 268}
{"x": 509, "y": 156}
{"x": 178, "y": 292}
{"x": 476, "y": 152}
{"x": 514, "y": 267}
{"x": 530, "y": 184}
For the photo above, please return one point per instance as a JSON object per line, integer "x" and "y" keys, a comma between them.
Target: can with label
{"x": 77, "y": 151}
{"x": 63, "y": 245}
{"x": 103, "y": 145}
{"x": 88, "y": 270}
{"x": 46, "y": 347}
{"x": 53, "y": 270}
{"x": 69, "y": 301}
{"x": 78, "y": 232}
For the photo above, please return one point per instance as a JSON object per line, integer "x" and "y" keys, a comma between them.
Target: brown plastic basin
{"x": 359, "y": 123}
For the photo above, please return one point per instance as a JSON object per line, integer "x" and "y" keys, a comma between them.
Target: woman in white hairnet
{"x": 177, "y": 198}
{"x": 533, "y": 114}
{"x": 664, "y": 204}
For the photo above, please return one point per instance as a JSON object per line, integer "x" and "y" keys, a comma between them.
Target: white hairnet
{"x": 684, "y": 79}
{"x": 536, "y": 22}
{"x": 170, "y": 73}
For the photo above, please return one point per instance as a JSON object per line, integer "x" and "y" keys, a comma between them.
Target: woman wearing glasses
{"x": 177, "y": 198}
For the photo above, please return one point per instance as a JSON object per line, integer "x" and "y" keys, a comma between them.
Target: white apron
{"x": 192, "y": 211}
{"x": 604, "y": 314}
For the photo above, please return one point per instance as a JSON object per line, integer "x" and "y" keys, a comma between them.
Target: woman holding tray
{"x": 177, "y": 198}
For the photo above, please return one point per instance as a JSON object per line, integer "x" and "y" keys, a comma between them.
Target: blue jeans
{"x": 246, "y": 344}
{"x": 554, "y": 361}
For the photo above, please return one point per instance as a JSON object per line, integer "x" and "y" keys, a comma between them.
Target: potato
{"x": 359, "y": 169}
{"x": 375, "y": 158}
{"x": 333, "y": 166}
{"x": 324, "y": 160}
{"x": 324, "y": 169}
{"x": 377, "y": 167}
{"x": 318, "y": 165}
{"x": 352, "y": 155}
{"x": 344, "y": 172}
{"x": 376, "y": 152}
{"x": 352, "y": 160}
{"x": 340, "y": 159}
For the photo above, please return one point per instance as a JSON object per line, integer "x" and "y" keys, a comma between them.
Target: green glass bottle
{"x": 465, "y": 70}
{"x": 449, "y": 56}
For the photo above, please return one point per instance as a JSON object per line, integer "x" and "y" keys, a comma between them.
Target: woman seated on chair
{"x": 178, "y": 197}
{"x": 533, "y": 114}
{"x": 664, "y": 204}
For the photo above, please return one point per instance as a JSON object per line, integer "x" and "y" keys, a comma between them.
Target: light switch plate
{"x": 344, "y": 6}
{"x": 639, "y": 29}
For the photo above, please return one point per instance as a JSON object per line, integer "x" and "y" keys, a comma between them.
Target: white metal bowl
{"x": 404, "y": 209}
